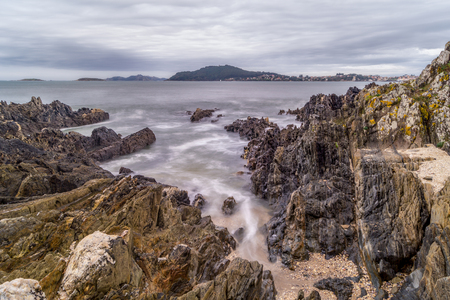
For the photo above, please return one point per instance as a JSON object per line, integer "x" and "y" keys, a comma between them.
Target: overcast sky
{"x": 65, "y": 40}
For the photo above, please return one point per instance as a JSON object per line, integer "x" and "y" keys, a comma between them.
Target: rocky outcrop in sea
{"x": 365, "y": 173}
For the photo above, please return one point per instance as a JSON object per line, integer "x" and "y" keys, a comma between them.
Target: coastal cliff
{"x": 365, "y": 174}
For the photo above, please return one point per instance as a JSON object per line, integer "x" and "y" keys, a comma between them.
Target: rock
{"x": 34, "y": 115}
{"x": 239, "y": 234}
{"x": 313, "y": 296}
{"x": 125, "y": 171}
{"x": 363, "y": 293}
{"x": 100, "y": 262}
{"x": 130, "y": 144}
{"x": 382, "y": 294}
{"x": 26, "y": 289}
{"x": 229, "y": 206}
{"x": 200, "y": 114}
{"x": 301, "y": 295}
{"x": 199, "y": 201}
{"x": 341, "y": 287}
{"x": 241, "y": 280}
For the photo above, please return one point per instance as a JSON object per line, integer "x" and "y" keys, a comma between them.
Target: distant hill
{"x": 215, "y": 73}
{"x": 138, "y": 77}
{"x": 31, "y": 79}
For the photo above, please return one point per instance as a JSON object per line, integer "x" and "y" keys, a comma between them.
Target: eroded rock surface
{"x": 122, "y": 237}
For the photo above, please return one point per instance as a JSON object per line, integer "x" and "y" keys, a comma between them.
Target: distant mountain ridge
{"x": 216, "y": 73}
{"x": 138, "y": 77}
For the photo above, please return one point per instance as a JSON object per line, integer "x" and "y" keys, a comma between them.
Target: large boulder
{"x": 99, "y": 263}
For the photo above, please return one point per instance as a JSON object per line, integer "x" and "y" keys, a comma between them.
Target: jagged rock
{"x": 391, "y": 208}
{"x": 100, "y": 262}
{"x": 127, "y": 145}
{"x": 250, "y": 128}
{"x": 34, "y": 115}
{"x": 241, "y": 280}
{"x": 125, "y": 171}
{"x": 313, "y": 296}
{"x": 26, "y": 289}
{"x": 199, "y": 201}
{"x": 341, "y": 287}
{"x": 29, "y": 171}
{"x": 229, "y": 206}
{"x": 201, "y": 113}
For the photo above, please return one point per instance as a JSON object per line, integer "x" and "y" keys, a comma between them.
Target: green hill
{"x": 215, "y": 73}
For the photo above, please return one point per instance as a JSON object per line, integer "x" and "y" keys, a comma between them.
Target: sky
{"x": 66, "y": 40}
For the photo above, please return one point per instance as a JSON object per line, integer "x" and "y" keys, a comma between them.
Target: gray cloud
{"x": 161, "y": 38}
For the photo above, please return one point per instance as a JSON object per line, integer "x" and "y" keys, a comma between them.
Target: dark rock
{"x": 143, "y": 178}
{"x": 282, "y": 111}
{"x": 127, "y": 145}
{"x": 382, "y": 294}
{"x": 125, "y": 171}
{"x": 363, "y": 293}
{"x": 201, "y": 113}
{"x": 199, "y": 201}
{"x": 229, "y": 206}
{"x": 239, "y": 234}
{"x": 341, "y": 287}
{"x": 313, "y": 296}
{"x": 301, "y": 295}
{"x": 34, "y": 116}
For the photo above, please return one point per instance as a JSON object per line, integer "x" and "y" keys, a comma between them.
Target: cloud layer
{"x": 63, "y": 39}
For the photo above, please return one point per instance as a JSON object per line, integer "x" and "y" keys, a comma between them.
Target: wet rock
{"x": 199, "y": 201}
{"x": 130, "y": 144}
{"x": 229, "y": 206}
{"x": 125, "y": 171}
{"x": 100, "y": 262}
{"x": 239, "y": 234}
{"x": 27, "y": 289}
{"x": 341, "y": 287}
{"x": 201, "y": 113}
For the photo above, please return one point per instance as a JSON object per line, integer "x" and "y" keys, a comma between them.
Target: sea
{"x": 201, "y": 158}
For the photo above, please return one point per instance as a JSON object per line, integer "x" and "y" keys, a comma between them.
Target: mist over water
{"x": 196, "y": 157}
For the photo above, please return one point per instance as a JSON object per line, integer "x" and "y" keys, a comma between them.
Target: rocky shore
{"x": 363, "y": 175}
{"x": 71, "y": 230}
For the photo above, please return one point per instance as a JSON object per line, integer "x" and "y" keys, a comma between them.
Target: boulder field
{"x": 365, "y": 173}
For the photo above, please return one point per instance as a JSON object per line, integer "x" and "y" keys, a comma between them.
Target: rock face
{"x": 128, "y": 237}
{"x": 362, "y": 174}
{"x": 37, "y": 160}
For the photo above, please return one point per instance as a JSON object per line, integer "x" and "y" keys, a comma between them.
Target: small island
{"x": 31, "y": 79}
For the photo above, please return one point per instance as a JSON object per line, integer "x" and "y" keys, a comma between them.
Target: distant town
{"x": 337, "y": 77}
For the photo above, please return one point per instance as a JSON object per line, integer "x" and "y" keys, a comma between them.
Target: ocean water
{"x": 196, "y": 157}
